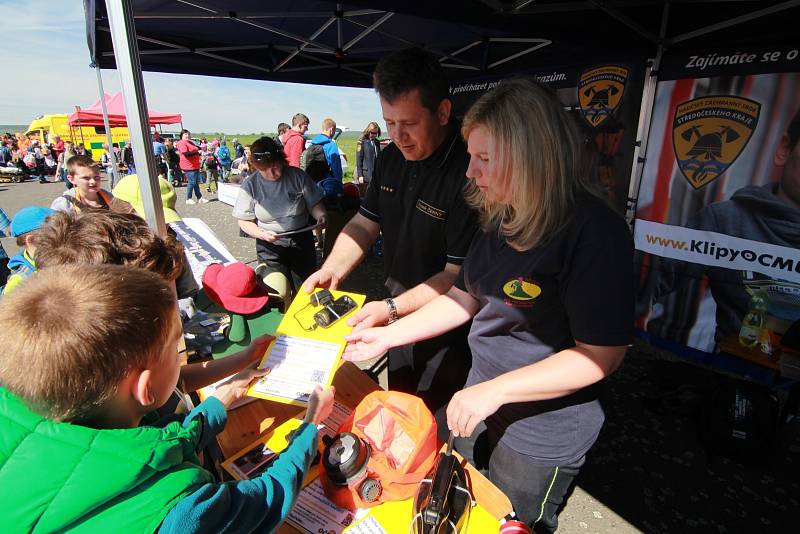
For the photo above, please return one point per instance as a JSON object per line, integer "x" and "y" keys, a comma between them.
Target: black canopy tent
{"x": 330, "y": 43}
{"x": 333, "y": 43}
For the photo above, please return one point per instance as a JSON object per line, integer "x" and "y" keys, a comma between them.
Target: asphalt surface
{"x": 649, "y": 471}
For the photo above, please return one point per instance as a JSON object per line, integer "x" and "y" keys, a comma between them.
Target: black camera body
{"x": 335, "y": 310}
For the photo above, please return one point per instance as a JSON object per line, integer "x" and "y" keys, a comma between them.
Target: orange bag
{"x": 382, "y": 452}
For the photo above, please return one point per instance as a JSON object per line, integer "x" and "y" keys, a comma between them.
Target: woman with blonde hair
{"x": 367, "y": 150}
{"x": 549, "y": 287}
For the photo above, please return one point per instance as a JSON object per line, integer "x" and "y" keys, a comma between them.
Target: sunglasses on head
{"x": 263, "y": 156}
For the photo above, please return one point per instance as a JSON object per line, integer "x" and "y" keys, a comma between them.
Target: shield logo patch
{"x": 709, "y": 133}
{"x": 600, "y": 92}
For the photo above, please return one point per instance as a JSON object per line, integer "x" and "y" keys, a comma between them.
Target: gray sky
{"x": 46, "y": 71}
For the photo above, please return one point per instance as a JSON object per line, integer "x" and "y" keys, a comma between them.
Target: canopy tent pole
{"x": 114, "y": 178}
{"x": 126, "y": 55}
{"x": 645, "y": 115}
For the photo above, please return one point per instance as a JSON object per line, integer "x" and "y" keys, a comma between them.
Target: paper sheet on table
{"x": 300, "y": 359}
{"x": 314, "y": 513}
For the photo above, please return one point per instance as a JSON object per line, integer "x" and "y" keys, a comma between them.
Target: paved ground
{"x": 649, "y": 471}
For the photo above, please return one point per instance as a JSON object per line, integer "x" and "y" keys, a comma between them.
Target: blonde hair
{"x": 70, "y": 334}
{"x": 328, "y": 123}
{"x": 538, "y": 150}
{"x": 371, "y": 126}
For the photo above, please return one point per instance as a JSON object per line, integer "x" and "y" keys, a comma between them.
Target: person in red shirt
{"x": 294, "y": 141}
{"x": 58, "y": 145}
{"x": 189, "y": 155}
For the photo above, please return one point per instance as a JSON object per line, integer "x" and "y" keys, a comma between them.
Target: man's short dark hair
{"x": 793, "y": 131}
{"x": 409, "y": 69}
{"x": 300, "y": 118}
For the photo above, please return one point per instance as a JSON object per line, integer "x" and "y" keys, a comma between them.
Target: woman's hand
{"x": 269, "y": 236}
{"x": 375, "y": 313}
{"x": 236, "y": 387}
{"x": 365, "y": 345}
{"x": 470, "y": 406}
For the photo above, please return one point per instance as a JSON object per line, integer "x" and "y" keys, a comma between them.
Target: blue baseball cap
{"x": 29, "y": 219}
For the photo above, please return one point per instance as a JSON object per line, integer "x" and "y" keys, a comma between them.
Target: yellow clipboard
{"x": 301, "y": 356}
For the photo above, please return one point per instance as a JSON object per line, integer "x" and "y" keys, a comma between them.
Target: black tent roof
{"x": 329, "y": 43}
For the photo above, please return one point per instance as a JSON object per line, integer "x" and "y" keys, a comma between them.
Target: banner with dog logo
{"x": 717, "y": 223}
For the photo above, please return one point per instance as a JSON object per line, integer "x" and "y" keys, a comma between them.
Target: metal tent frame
{"x": 488, "y": 25}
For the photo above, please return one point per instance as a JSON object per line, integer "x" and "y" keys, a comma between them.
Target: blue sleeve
{"x": 5, "y": 222}
{"x": 334, "y": 160}
{"x": 258, "y": 505}
{"x": 214, "y": 419}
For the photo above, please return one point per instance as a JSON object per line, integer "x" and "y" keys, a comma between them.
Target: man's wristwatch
{"x": 392, "y": 310}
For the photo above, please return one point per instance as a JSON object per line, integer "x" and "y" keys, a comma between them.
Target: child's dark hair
{"x": 99, "y": 237}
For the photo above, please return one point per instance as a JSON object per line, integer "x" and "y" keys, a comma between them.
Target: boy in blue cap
{"x": 24, "y": 226}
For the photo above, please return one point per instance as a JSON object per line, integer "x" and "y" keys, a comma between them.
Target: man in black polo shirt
{"x": 415, "y": 199}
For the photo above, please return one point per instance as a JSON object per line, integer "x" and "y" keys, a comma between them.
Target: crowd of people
{"x": 511, "y": 301}
{"x": 43, "y": 161}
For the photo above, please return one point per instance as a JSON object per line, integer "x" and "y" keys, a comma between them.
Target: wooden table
{"x": 247, "y": 423}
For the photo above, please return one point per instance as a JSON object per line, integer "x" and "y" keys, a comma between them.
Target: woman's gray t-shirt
{"x": 279, "y": 206}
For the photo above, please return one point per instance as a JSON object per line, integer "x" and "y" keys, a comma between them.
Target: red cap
{"x": 234, "y": 288}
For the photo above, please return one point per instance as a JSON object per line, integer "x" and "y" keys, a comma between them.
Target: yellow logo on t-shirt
{"x": 521, "y": 292}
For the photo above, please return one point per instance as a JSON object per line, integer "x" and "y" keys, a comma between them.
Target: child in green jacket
{"x": 72, "y": 396}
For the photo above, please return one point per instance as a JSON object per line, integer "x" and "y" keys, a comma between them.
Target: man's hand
{"x": 375, "y": 313}
{"x": 365, "y": 345}
{"x": 322, "y": 221}
{"x": 470, "y": 406}
{"x": 236, "y": 387}
{"x": 320, "y": 404}
{"x": 257, "y": 348}
{"x": 322, "y": 278}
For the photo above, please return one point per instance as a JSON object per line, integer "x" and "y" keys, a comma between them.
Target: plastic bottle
{"x": 753, "y": 321}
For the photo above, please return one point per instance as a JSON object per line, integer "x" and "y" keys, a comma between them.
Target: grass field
{"x": 347, "y": 142}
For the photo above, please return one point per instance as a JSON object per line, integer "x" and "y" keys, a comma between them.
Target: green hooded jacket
{"x": 60, "y": 476}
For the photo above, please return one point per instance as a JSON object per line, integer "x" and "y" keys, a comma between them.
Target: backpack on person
{"x": 29, "y": 159}
{"x": 314, "y": 162}
{"x": 211, "y": 162}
